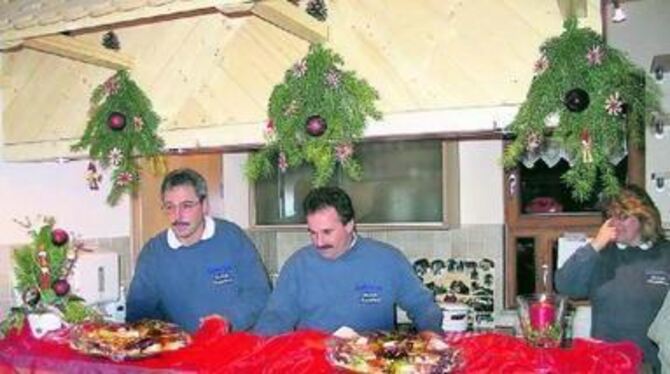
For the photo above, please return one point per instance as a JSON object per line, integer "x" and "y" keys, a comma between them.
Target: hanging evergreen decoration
{"x": 317, "y": 9}
{"x": 590, "y": 98}
{"x": 122, "y": 125}
{"x": 316, "y": 116}
{"x": 42, "y": 268}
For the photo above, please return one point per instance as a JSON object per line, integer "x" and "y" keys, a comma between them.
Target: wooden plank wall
{"x": 210, "y": 76}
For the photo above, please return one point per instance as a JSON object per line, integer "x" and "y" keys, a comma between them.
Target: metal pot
{"x": 455, "y": 317}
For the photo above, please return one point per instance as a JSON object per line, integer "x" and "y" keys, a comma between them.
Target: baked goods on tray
{"x": 120, "y": 341}
{"x": 383, "y": 352}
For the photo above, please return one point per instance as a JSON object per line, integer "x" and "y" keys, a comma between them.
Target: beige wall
{"x": 59, "y": 190}
{"x": 642, "y": 36}
{"x": 481, "y": 179}
{"x": 5, "y": 284}
{"x": 236, "y": 189}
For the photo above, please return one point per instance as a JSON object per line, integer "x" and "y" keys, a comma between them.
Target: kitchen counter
{"x": 215, "y": 350}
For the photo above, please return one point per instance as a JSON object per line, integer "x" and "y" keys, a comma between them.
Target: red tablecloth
{"x": 214, "y": 350}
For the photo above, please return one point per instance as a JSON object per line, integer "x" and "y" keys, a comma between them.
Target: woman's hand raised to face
{"x": 606, "y": 234}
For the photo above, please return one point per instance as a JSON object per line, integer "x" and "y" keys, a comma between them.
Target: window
{"x": 543, "y": 192}
{"x": 402, "y": 183}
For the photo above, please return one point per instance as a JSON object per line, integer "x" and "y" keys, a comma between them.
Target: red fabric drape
{"x": 215, "y": 350}
{"x": 494, "y": 353}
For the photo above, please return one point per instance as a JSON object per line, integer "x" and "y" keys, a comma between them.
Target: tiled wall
{"x": 472, "y": 242}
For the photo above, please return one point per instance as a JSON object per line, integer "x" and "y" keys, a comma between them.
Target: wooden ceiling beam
{"x": 70, "y": 47}
{"x": 235, "y": 8}
{"x": 75, "y": 15}
{"x": 291, "y": 18}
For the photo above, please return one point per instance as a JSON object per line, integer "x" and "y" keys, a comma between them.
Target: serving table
{"x": 215, "y": 350}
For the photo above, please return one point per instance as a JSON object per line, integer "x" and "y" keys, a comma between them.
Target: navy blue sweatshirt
{"x": 626, "y": 288}
{"x": 221, "y": 275}
{"x": 360, "y": 289}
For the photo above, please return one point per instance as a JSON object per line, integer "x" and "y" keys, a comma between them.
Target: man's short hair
{"x": 324, "y": 197}
{"x": 185, "y": 177}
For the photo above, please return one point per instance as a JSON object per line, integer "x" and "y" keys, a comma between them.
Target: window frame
{"x": 450, "y": 194}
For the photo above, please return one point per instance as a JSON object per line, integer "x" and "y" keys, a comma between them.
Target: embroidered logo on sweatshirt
{"x": 369, "y": 293}
{"x": 221, "y": 274}
{"x": 657, "y": 277}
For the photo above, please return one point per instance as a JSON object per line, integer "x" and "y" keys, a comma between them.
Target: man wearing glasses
{"x": 199, "y": 266}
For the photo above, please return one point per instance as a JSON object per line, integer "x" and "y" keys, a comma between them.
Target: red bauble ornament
{"x": 315, "y": 126}
{"x": 59, "y": 237}
{"x": 61, "y": 287}
{"x": 116, "y": 121}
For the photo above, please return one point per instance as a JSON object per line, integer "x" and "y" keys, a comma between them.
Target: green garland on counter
{"x": 316, "y": 115}
{"x": 41, "y": 269}
{"x": 122, "y": 125}
{"x": 590, "y": 98}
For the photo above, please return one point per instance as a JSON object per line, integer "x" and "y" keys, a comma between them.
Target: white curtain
{"x": 551, "y": 153}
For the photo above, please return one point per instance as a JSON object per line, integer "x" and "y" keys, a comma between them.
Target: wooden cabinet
{"x": 531, "y": 237}
{"x": 147, "y": 216}
{"x": 531, "y": 243}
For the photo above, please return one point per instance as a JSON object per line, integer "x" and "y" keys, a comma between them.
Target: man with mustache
{"x": 342, "y": 279}
{"x": 197, "y": 267}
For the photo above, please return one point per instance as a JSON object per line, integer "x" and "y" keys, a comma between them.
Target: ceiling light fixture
{"x": 660, "y": 64}
{"x": 658, "y": 180}
{"x": 658, "y": 125}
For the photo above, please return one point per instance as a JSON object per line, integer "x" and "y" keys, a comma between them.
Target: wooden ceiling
{"x": 209, "y": 66}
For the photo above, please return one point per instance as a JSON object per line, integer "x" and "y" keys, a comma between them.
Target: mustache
{"x": 179, "y": 223}
{"x": 325, "y": 247}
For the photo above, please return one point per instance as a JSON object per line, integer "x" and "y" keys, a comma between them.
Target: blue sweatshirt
{"x": 359, "y": 289}
{"x": 221, "y": 275}
{"x": 626, "y": 288}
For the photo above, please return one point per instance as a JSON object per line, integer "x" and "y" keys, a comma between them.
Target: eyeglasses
{"x": 184, "y": 206}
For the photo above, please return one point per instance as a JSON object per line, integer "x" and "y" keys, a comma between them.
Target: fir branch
{"x": 317, "y": 85}
{"x": 75, "y": 311}
{"x": 121, "y": 94}
{"x": 604, "y": 78}
{"x": 26, "y": 269}
{"x": 13, "y": 322}
{"x": 27, "y": 272}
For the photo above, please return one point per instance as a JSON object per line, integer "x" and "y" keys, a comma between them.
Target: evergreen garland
{"x": 38, "y": 297}
{"x": 621, "y": 99}
{"x": 315, "y": 87}
{"x": 122, "y": 125}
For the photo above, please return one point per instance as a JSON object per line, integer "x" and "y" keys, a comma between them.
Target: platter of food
{"x": 122, "y": 341}
{"x": 384, "y": 352}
